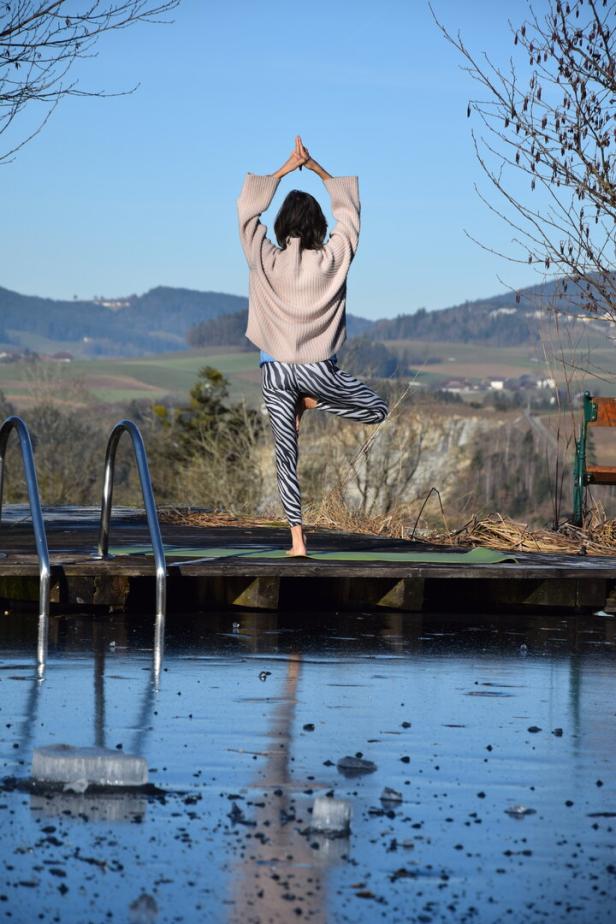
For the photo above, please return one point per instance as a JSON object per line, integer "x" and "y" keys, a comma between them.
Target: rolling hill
{"x": 155, "y": 322}
{"x": 167, "y": 319}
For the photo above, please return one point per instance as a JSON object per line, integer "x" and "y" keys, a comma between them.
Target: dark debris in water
{"x": 36, "y": 787}
{"x": 355, "y": 766}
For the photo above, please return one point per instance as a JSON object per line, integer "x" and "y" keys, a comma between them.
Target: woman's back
{"x": 297, "y": 296}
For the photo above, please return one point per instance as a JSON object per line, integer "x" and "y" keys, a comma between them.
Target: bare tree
{"x": 41, "y": 41}
{"x": 550, "y": 117}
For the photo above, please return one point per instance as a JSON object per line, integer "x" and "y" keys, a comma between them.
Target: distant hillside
{"x": 169, "y": 319}
{"x": 155, "y": 322}
{"x": 228, "y": 330}
{"x": 469, "y": 323}
{"x": 502, "y": 320}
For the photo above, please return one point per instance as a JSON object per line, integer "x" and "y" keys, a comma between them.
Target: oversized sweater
{"x": 297, "y": 298}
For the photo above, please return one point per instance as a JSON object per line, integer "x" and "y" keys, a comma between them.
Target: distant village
{"x": 30, "y": 356}
{"x": 525, "y": 389}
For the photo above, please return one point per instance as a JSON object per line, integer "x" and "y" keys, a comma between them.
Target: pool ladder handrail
{"x": 127, "y": 426}
{"x": 38, "y": 524}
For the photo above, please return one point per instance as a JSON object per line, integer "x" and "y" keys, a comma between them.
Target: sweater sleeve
{"x": 344, "y": 193}
{"x": 255, "y": 197}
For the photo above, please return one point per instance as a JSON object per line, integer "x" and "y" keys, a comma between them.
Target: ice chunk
{"x": 331, "y": 816}
{"x": 353, "y": 766}
{"x": 391, "y": 795}
{"x": 77, "y": 786}
{"x": 63, "y": 763}
{"x": 519, "y": 811}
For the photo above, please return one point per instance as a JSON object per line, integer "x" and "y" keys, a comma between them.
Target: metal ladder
{"x": 38, "y": 524}
{"x": 127, "y": 426}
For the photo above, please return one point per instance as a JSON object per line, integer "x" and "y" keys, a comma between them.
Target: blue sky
{"x": 118, "y": 195}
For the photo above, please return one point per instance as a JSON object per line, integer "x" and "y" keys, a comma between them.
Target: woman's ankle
{"x": 298, "y": 537}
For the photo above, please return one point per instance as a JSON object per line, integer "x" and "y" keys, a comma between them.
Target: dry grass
{"x": 334, "y": 513}
{"x": 184, "y": 516}
{"x": 596, "y": 537}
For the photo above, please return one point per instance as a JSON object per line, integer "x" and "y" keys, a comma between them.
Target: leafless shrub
{"x": 68, "y": 452}
{"x": 549, "y": 117}
{"x": 208, "y": 479}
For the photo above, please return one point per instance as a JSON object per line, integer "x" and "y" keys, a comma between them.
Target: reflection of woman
{"x": 296, "y": 313}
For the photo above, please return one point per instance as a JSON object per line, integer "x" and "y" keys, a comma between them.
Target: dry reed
{"x": 596, "y": 537}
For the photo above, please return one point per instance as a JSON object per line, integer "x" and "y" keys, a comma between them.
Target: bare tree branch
{"x": 40, "y": 43}
{"x": 551, "y": 116}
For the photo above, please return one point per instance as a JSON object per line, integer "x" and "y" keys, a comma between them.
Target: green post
{"x": 579, "y": 471}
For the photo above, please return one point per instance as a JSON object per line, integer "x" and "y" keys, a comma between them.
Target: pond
{"x": 498, "y": 734}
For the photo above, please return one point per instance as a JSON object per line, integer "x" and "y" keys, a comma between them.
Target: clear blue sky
{"x": 118, "y": 195}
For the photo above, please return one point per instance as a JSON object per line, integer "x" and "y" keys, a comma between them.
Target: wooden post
{"x": 404, "y": 594}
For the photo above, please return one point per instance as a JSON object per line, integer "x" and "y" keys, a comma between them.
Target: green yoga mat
{"x": 477, "y": 556}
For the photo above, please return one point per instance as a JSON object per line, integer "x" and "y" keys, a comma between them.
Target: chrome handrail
{"x": 127, "y": 426}
{"x": 38, "y": 524}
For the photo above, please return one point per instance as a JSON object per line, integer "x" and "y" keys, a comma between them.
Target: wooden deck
{"x": 78, "y": 579}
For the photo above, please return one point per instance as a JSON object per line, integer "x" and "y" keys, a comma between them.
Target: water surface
{"x": 244, "y": 728}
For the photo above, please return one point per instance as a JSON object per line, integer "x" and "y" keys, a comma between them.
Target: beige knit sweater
{"x": 296, "y": 306}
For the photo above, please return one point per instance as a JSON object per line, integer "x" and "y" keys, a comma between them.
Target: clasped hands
{"x": 299, "y": 157}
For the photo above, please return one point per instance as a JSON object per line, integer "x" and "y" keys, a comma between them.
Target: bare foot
{"x": 304, "y": 403}
{"x": 298, "y": 542}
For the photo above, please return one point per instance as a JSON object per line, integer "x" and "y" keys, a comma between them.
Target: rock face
{"x": 82, "y": 767}
{"x": 415, "y": 452}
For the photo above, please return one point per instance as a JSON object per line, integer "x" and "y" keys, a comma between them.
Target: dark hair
{"x": 300, "y": 216}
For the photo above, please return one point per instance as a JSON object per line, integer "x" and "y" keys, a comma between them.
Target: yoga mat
{"x": 478, "y": 556}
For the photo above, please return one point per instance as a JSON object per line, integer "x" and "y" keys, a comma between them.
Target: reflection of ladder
{"x": 127, "y": 426}
{"x": 38, "y": 524}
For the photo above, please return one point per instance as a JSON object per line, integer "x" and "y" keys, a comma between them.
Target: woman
{"x": 296, "y": 313}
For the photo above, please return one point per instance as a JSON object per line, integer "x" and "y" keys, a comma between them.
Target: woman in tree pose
{"x": 296, "y": 313}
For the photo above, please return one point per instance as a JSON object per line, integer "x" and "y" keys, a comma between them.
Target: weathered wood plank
{"x": 27, "y": 566}
{"x": 527, "y": 568}
{"x": 535, "y": 579}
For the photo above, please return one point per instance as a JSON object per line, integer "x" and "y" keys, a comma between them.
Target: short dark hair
{"x": 300, "y": 216}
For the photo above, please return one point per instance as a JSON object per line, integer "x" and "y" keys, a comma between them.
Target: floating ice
{"x": 391, "y": 795}
{"x": 351, "y": 766}
{"x": 331, "y": 816}
{"x": 63, "y": 763}
{"x": 519, "y": 811}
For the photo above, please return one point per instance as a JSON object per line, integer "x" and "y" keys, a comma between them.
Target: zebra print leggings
{"x": 336, "y": 391}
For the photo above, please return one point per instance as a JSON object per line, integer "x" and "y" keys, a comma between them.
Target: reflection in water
{"x": 99, "y": 685}
{"x": 284, "y": 870}
{"x": 457, "y": 716}
{"x": 29, "y": 722}
{"x": 107, "y": 807}
{"x": 42, "y": 647}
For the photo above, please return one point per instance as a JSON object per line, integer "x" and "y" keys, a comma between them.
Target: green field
{"x": 119, "y": 381}
{"x": 123, "y": 380}
{"x": 478, "y": 362}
